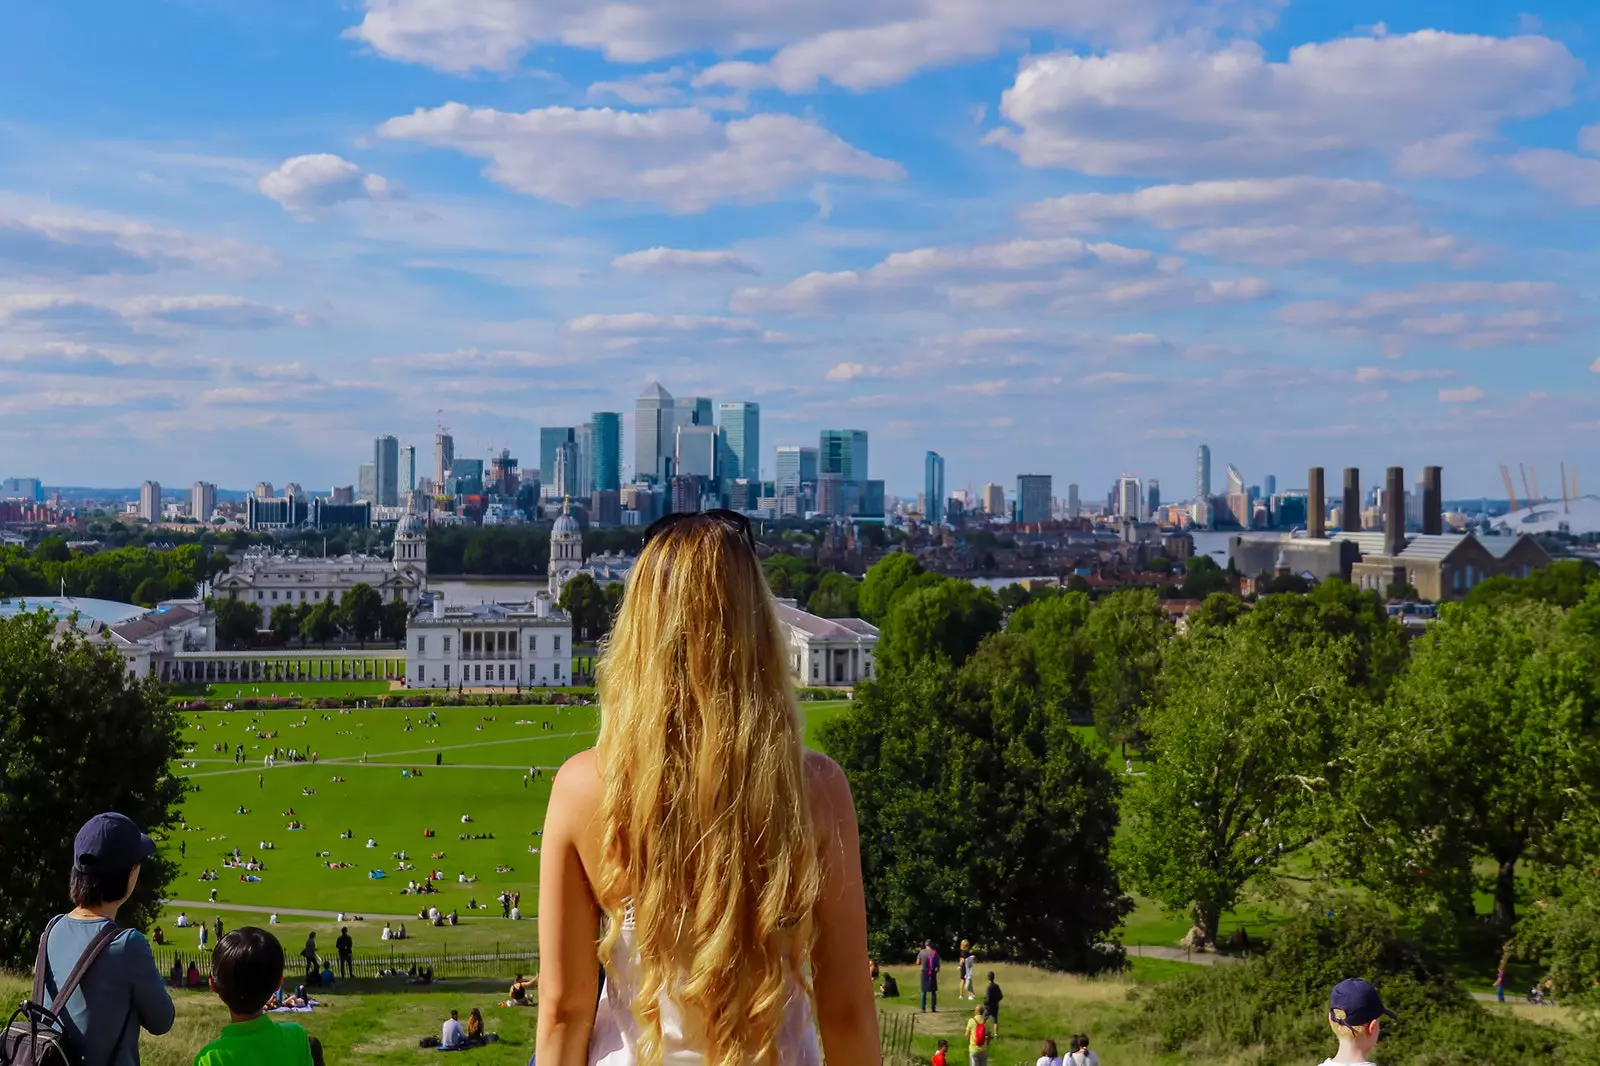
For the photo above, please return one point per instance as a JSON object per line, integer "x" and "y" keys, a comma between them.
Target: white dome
{"x": 410, "y": 526}
{"x": 566, "y": 525}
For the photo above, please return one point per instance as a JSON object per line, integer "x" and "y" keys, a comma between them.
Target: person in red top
{"x": 938, "y": 1056}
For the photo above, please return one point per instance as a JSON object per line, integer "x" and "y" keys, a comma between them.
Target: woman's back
{"x": 122, "y": 990}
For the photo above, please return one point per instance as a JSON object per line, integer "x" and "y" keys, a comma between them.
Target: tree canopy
{"x": 1126, "y": 635}
{"x": 944, "y": 619}
{"x": 883, "y": 579}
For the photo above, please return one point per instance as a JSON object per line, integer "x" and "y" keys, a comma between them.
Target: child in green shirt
{"x": 246, "y": 969}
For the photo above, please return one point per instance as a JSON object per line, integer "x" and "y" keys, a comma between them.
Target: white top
{"x": 452, "y": 1036}
{"x": 1336, "y": 1062}
{"x": 615, "y": 1041}
{"x": 1081, "y": 1058}
{"x": 1046, "y": 1060}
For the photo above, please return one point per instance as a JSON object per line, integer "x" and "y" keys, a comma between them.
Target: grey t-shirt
{"x": 121, "y": 993}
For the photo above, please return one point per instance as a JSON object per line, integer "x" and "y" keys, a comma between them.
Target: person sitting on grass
{"x": 246, "y": 969}
{"x": 1355, "y": 1014}
{"x": 940, "y": 1053}
{"x": 476, "y": 1037}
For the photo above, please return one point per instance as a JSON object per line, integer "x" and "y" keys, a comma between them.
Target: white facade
{"x": 271, "y": 578}
{"x": 566, "y": 551}
{"x": 828, "y": 651}
{"x": 490, "y": 645}
{"x": 150, "y": 501}
{"x": 203, "y": 501}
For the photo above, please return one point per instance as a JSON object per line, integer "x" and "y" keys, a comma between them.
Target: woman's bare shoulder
{"x": 577, "y": 783}
{"x": 829, "y": 788}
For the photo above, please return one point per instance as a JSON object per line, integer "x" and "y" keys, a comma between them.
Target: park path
{"x": 1198, "y": 958}
{"x": 355, "y": 760}
{"x": 293, "y": 912}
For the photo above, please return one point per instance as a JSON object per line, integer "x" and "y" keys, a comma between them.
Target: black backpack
{"x": 34, "y": 1035}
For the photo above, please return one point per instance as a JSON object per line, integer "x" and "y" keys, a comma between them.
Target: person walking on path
{"x": 1500, "y": 984}
{"x": 716, "y": 860}
{"x": 202, "y": 934}
{"x": 1355, "y": 1014}
{"x": 261, "y": 781}
{"x": 346, "y": 949}
{"x": 309, "y": 953}
{"x": 979, "y": 1036}
{"x": 928, "y": 967}
{"x": 991, "y": 1002}
{"x": 121, "y": 991}
{"x": 965, "y": 966}
{"x": 217, "y": 926}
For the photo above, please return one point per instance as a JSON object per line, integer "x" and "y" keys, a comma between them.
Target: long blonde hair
{"x": 707, "y": 835}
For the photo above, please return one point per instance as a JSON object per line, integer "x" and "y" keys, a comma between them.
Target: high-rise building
{"x": 444, "y": 458}
{"x": 408, "y": 469}
{"x": 467, "y": 477}
{"x": 564, "y": 485}
{"x": 843, "y": 452}
{"x": 994, "y": 500}
{"x": 293, "y": 491}
{"x": 653, "y": 438}
{"x": 1152, "y": 498}
{"x": 386, "y": 466}
{"x": 1130, "y": 498}
{"x": 1238, "y": 498}
{"x": 203, "y": 501}
{"x": 830, "y": 494}
{"x": 797, "y": 465}
{"x": 343, "y": 494}
{"x": 583, "y": 437}
{"x": 503, "y": 479}
{"x": 741, "y": 440}
{"x": 933, "y": 488}
{"x": 264, "y": 491}
{"x": 367, "y": 483}
{"x": 870, "y": 501}
{"x": 1074, "y": 509}
{"x": 1033, "y": 498}
{"x": 150, "y": 501}
{"x": 1269, "y": 485}
{"x": 692, "y": 411}
{"x": 1202, "y": 485}
{"x": 605, "y": 449}
{"x": 696, "y": 452}
{"x": 551, "y": 438}
{"x": 21, "y": 488}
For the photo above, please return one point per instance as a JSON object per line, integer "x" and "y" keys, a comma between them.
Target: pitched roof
{"x": 850, "y": 629}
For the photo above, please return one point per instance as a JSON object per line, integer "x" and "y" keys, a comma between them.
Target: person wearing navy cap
{"x": 1355, "y": 1014}
{"x": 122, "y": 991}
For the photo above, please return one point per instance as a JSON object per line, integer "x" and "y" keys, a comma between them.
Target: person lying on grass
{"x": 246, "y": 969}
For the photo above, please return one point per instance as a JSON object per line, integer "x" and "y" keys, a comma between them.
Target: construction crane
{"x": 1511, "y": 492}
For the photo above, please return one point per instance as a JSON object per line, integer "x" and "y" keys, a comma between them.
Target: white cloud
{"x": 1116, "y": 377}
{"x": 308, "y": 185}
{"x": 44, "y": 241}
{"x": 73, "y": 315}
{"x": 216, "y": 312}
{"x": 1458, "y": 313}
{"x": 853, "y": 371}
{"x": 1470, "y": 394}
{"x": 644, "y": 322}
{"x": 678, "y": 259}
{"x": 681, "y": 158}
{"x": 1570, "y": 176}
{"x": 1173, "y": 110}
{"x": 1221, "y": 203}
{"x": 853, "y": 44}
{"x": 1282, "y": 245}
{"x": 1368, "y": 375}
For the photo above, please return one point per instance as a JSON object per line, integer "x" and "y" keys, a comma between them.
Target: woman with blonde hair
{"x": 698, "y": 852}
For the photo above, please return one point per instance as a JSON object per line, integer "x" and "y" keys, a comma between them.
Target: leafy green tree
{"x": 1332, "y": 611}
{"x": 1202, "y": 576}
{"x": 151, "y": 591}
{"x": 361, "y": 609}
{"x": 1401, "y": 592}
{"x": 614, "y": 593}
{"x": 1242, "y": 742}
{"x": 1564, "y": 583}
{"x": 835, "y": 597}
{"x": 52, "y": 550}
{"x": 321, "y": 623}
{"x": 1013, "y": 597}
{"x": 1126, "y": 634}
{"x": 981, "y": 814}
{"x": 238, "y": 621}
{"x": 1485, "y": 749}
{"x": 883, "y": 579}
{"x": 1159, "y": 565}
{"x": 585, "y": 603}
{"x": 1562, "y": 933}
{"x": 396, "y": 615}
{"x": 285, "y": 622}
{"x": 791, "y": 577}
{"x": 1054, "y": 627}
{"x": 1217, "y": 611}
{"x": 78, "y": 736}
{"x": 946, "y": 619}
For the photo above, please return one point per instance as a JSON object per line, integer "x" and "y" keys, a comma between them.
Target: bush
{"x": 1278, "y": 1003}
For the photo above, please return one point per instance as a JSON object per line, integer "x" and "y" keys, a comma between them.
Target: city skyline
{"x": 288, "y": 230}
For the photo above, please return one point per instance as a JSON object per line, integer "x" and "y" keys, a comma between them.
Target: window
{"x": 477, "y": 673}
{"x": 502, "y": 671}
{"x": 558, "y": 643}
{"x": 274, "y": 593}
{"x": 447, "y": 645}
{"x": 814, "y": 671}
{"x": 302, "y": 595}
{"x": 422, "y": 673}
{"x": 260, "y": 595}
{"x": 533, "y": 642}
{"x": 513, "y": 671}
{"x": 447, "y": 672}
{"x": 422, "y": 645}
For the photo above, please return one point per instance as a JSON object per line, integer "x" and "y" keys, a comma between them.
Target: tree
{"x": 285, "y": 622}
{"x": 1485, "y": 749}
{"x": 52, "y": 550}
{"x": 981, "y": 814}
{"x": 1332, "y": 611}
{"x": 1159, "y": 565}
{"x": 1217, "y": 611}
{"x": 238, "y": 621}
{"x": 946, "y": 619}
{"x": 1126, "y": 634}
{"x": 585, "y": 604}
{"x": 1401, "y": 592}
{"x": 614, "y": 593}
{"x": 151, "y": 591}
{"x": 78, "y": 736}
{"x": 362, "y": 610}
{"x": 835, "y": 597}
{"x": 1241, "y": 743}
{"x": 1564, "y": 583}
{"x": 791, "y": 577}
{"x": 396, "y": 614}
{"x": 321, "y": 623}
{"x": 1054, "y": 628}
{"x": 883, "y": 579}
{"x": 1202, "y": 576}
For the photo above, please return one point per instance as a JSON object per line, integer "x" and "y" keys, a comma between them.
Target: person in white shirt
{"x": 1080, "y": 1055}
{"x": 1355, "y": 1013}
{"x": 1048, "y": 1055}
{"x": 516, "y": 914}
{"x": 183, "y": 921}
{"x": 453, "y": 1036}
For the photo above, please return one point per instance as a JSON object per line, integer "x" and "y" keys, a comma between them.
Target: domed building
{"x": 566, "y": 551}
{"x": 411, "y": 546}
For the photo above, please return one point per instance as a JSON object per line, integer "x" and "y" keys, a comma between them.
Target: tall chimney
{"x": 1394, "y": 512}
{"x": 1432, "y": 500}
{"x": 1316, "y": 504}
{"x": 1350, "y": 513}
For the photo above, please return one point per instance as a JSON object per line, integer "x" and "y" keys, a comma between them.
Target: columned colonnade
{"x": 341, "y": 666}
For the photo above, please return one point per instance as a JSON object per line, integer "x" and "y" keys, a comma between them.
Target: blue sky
{"x": 238, "y": 238}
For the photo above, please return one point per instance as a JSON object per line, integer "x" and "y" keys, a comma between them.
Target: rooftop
{"x": 850, "y": 629}
{"x": 106, "y": 612}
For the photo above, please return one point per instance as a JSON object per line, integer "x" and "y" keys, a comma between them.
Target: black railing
{"x": 895, "y": 1032}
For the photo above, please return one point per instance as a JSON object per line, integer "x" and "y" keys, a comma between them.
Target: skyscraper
{"x": 408, "y": 469}
{"x": 605, "y": 443}
{"x": 386, "y": 470}
{"x": 994, "y": 500}
{"x": 1153, "y": 501}
{"x": 797, "y": 465}
{"x": 1269, "y": 485}
{"x": 692, "y": 411}
{"x": 583, "y": 437}
{"x": 367, "y": 483}
{"x": 150, "y": 501}
{"x": 551, "y": 438}
{"x": 203, "y": 501}
{"x": 565, "y": 465}
{"x": 1238, "y": 498}
{"x": 741, "y": 440}
{"x": 1202, "y": 474}
{"x": 1033, "y": 498}
{"x": 652, "y": 433}
{"x": 1074, "y": 509}
{"x": 444, "y": 457}
{"x": 696, "y": 452}
{"x": 843, "y": 452}
{"x": 933, "y": 488}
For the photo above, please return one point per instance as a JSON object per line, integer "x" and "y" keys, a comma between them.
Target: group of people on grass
{"x": 637, "y": 834}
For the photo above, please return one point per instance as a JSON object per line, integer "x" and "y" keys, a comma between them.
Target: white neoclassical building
{"x": 490, "y": 645}
{"x": 269, "y": 578}
{"x": 828, "y": 651}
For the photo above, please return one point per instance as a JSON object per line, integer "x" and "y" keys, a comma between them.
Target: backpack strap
{"x": 42, "y": 963}
{"x": 90, "y": 956}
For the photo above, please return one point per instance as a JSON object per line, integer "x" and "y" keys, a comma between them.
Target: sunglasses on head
{"x": 732, "y": 519}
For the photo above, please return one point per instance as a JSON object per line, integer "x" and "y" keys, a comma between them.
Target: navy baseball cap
{"x": 109, "y": 842}
{"x": 1355, "y": 1002}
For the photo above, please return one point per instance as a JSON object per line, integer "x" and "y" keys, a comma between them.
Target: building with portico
{"x": 827, "y": 651}
{"x": 489, "y": 645}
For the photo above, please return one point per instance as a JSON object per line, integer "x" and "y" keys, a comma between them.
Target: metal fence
{"x": 894, "y": 1037}
{"x": 396, "y": 960}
